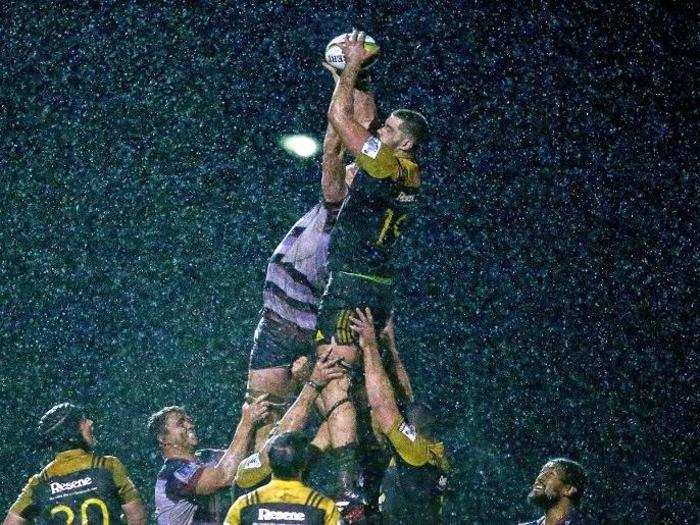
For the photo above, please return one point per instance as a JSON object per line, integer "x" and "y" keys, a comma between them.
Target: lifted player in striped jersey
{"x": 296, "y": 277}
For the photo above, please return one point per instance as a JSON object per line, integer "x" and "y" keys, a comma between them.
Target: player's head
{"x": 289, "y": 455}
{"x": 403, "y": 130}
{"x": 173, "y": 430}
{"x": 421, "y": 417}
{"x": 559, "y": 478}
{"x": 66, "y": 426}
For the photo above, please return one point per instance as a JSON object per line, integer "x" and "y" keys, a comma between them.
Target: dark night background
{"x": 549, "y": 303}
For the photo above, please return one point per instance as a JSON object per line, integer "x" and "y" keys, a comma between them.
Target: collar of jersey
{"x": 286, "y": 483}
{"x": 403, "y": 154}
{"x": 72, "y": 453}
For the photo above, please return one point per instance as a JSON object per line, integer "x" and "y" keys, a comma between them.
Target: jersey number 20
{"x": 70, "y": 515}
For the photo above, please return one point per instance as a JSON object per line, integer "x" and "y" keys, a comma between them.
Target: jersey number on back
{"x": 70, "y": 515}
{"x": 391, "y": 223}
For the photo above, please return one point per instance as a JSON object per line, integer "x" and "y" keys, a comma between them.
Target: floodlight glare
{"x": 299, "y": 145}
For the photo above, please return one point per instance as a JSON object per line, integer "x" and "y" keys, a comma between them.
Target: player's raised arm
{"x": 334, "y": 181}
{"x": 340, "y": 111}
{"x": 222, "y": 475}
{"x": 379, "y": 391}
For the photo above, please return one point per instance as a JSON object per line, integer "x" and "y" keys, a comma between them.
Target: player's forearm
{"x": 135, "y": 513}
{"x": 332, "y": 169}
{"x": 399, "y": 369}
{"x": 380, "y": 394}
{"x": 298, "y": 414}
{"x": 228, "y": 464}
{"x": 341, "y": 101}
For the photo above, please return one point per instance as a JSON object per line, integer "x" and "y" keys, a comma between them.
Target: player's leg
{"x": 275, "y": 349}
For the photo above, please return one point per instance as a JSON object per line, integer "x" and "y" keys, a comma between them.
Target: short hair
{"x": 413, "y": 124}
{"x": 156, "y": 422}
{"x": 572, "y": 473}
{"x": 59, "y": 427}
{"x": 288, "y": 455}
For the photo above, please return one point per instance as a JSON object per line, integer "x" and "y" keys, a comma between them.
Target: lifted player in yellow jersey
{"x": 363, "y": 244}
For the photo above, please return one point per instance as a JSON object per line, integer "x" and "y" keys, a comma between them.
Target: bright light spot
{"x": 299, "y": 145}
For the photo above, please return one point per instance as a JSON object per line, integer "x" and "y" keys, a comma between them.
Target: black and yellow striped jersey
{"x": 377, "y": 212}
{"x": 283, "y": 501}
{"x": 77, "y": 487}
{"x": 414, "y": 483}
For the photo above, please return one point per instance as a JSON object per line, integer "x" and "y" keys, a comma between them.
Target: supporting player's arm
{"x": 340, "y": 111}
{"x": 380, "y": 394}
{"x": 14, "y": 519}
{"x": 398, "y": 368}
{"x": 134, "y": 512}
{"x": 222, "y": 475}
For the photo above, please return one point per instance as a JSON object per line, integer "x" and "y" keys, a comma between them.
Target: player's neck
{"x": 175, "y": 452}
{"x": 558, "y": 512}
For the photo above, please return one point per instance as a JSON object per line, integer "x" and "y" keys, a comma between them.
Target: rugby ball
{"x": 334, "y": 55}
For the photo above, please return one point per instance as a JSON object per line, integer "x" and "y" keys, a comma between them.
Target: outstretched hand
{"x": 326, "y": 369}
{"x": 353, "y": 48}
{"x": 362, "y": 323}
{"x": 257, "y": 410}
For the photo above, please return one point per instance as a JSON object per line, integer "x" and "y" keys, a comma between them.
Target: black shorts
{"x": 277, "y": 342}
{"x": 345, "y": 292}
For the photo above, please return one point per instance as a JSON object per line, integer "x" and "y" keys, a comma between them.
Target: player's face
{"x": 390, "y": 134}
{"x": 86, "y": 430}
{"x": 179, "y": 431}
{"x": 548, "y": 488}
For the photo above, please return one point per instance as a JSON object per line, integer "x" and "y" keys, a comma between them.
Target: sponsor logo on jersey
{"x": 252, "y": 461}
{"x": 405, "y": 197}
{"x": 267, "y": 514}
{"x": 371, "y": 147}
{"x": 408, "y": 431}
{"x": 57, "y": 486}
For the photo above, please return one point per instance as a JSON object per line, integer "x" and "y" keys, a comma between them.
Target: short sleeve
{"x": 233, "y": 516}
{"x": 182, "y": 481}
{"x": 377, "y": 160}
{"x": 413, "y": 448}
{"x": 251, "y": 471}
{"x": 332, "y": 513}
{"x": 125, "y": 487}
{"x": 24, "y": 505}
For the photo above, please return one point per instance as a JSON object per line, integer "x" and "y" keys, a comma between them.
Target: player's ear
{"x": 406, "y": 145}
{"x": 570, "y": 491}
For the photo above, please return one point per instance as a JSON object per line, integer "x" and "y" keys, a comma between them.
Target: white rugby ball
{"x": 334, "y": 55}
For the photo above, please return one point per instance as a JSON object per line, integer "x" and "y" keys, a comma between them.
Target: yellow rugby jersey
{"x": 413, "y": 485}
{"x": 377, "y": 212}
{"x": 283, "y": 501}
{"x": 77, "y": 487}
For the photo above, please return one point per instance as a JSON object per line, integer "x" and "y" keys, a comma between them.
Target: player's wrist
{"x": 316, "y": 384}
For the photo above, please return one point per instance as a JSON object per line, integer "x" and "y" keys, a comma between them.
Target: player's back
{"x": 283, "y": 501}
{"x": 77, "y": 487}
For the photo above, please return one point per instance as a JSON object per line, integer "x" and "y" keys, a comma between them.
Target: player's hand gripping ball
{"x": 334, "y": 55}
